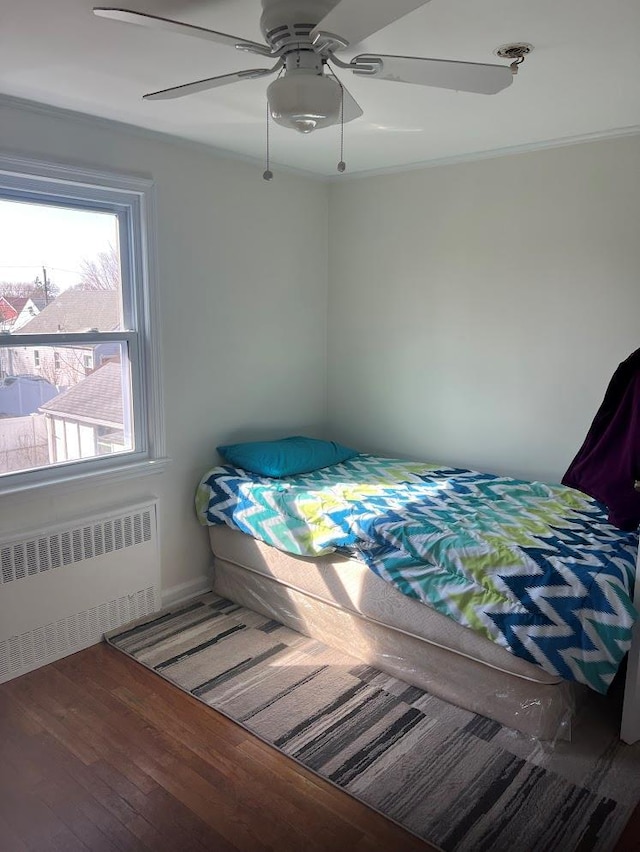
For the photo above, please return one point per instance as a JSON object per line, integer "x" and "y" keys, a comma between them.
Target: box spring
{"x": 341, "y": 602}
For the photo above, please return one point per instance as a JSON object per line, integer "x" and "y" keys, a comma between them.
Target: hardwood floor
{"x": 97, "y": 753}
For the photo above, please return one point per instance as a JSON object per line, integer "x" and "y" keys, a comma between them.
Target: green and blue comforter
{"x": 536, "y": 568}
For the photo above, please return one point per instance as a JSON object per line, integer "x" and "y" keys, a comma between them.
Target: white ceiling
{"x": 582, "y": 79}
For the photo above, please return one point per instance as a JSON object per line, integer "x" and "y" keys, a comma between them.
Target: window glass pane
{"x": 52, "y": 414}
{"x": 60, "y": 269}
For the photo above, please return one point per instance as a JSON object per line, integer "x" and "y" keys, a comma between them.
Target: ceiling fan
{"x": 303, "y": 37}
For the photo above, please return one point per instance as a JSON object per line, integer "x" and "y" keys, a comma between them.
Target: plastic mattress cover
{"x": 538, "y": 710}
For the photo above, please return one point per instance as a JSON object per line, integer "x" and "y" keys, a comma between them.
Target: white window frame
{"x": 132, "y": 199}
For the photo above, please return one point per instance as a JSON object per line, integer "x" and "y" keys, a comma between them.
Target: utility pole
{"x": 46, "y": 286}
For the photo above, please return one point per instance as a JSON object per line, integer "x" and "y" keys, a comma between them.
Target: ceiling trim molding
{"x": 146, "y": 133}
{"x": 203, "y": 148}
{"x": 529, "y": 147}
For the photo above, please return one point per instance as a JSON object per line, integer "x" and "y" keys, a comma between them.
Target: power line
{"x": 39, "y": 266}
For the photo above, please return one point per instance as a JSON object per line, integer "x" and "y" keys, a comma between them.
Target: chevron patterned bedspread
{"x": 536, "y": 568}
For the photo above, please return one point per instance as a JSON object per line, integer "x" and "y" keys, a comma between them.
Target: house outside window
{"x": 87, "y": 352}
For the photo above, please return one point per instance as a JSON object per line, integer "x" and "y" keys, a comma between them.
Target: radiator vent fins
{"x": 44, "y": 644}
{"x": 47, "y": 553}
{"x": 63, "y": 588}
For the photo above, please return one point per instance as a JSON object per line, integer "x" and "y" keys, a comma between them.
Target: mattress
{"x": 350, "y": 585}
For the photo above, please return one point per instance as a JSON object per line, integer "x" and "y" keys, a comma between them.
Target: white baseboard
{"x": 184, "y": 591}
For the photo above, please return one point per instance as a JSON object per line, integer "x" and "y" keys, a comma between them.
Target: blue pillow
{"x": 285, "y": 457}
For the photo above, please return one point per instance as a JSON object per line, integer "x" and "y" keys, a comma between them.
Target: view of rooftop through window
{"x": 60, "y": 274}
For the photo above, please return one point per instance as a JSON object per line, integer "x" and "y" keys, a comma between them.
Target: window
{"x": 79, "y": 384}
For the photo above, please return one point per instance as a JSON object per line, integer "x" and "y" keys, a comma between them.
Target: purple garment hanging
{"x": 608, "y": 463}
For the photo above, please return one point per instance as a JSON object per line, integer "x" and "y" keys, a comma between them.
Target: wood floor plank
{"x": 111, "y": 738}
{"x": 167, "y": 833}
{"x": 187, "y": 741}
{"x": 64, "y": 801}
{"x": 173, "y": 768}
{"x": 189, "y": 823}
{"x": 167, "y": 768}
{"x": 95, "y": 733}
{"x": 9, "y": 840}
{"x": 94, "y": 798}
{"x": 26, "y": 691}
{"x": 32, "y": 819}
{"x": 109, "y": 797}
{"x": 9, "y": 709}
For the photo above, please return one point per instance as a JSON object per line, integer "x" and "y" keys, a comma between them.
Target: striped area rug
{"x": 451, "y": 777}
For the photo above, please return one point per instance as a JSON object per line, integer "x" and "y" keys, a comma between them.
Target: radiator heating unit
{"x": 63, "y": 587}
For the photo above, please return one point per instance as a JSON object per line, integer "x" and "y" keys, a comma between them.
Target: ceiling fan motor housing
{"x": 285, "y": 22}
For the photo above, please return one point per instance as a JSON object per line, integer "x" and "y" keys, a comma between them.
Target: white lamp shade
{"x": 304, "y": 100}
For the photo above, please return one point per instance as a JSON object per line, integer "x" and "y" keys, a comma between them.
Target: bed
{"x": 505, "y": 597}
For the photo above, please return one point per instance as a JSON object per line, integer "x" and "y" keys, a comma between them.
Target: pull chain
{"x": 341, "y": 165}
{"x": 267, "y": 174}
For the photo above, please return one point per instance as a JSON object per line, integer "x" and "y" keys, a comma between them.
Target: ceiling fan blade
{"x": 205, "y": 85}
{"x": 441, "y": 73}
{"x": 154, "y": 22}
{"x": 355, "y": 20}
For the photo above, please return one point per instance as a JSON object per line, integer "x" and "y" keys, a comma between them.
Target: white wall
{"x": 243, "y": 299}
{"x": 477, "y": 311}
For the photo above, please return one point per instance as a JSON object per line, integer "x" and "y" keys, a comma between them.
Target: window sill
{"x": 84, "y": 479}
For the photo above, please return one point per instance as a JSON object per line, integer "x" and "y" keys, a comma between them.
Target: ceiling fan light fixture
{"x": 304, "y": 100}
